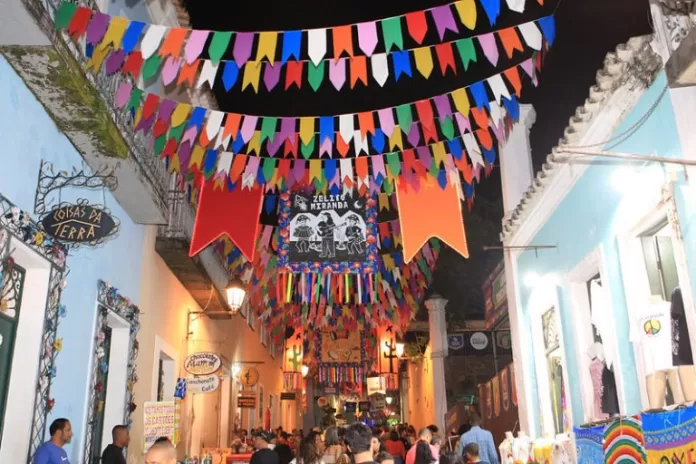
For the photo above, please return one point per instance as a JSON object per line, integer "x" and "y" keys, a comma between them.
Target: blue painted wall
{"x": 587, "y": 218}
{"x": 29, "y": 135}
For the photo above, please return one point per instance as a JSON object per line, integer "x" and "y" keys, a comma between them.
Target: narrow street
{"x": 413, "y": 232}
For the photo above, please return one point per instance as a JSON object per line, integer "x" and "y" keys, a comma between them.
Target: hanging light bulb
{"x": 305, "y": 370}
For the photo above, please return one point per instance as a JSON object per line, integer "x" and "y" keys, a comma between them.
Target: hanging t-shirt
{"x": 651, "y": 331}
{"x": 603, "y": 320}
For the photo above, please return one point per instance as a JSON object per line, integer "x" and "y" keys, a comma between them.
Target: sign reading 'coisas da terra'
{"x": 77, "y": 223}
{"x": 203, "y": 363}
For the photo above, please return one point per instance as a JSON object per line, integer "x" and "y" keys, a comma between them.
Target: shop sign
{"x": 330, "y": 391}
{"x": 203, "y": 384}
{"x": 376, "y": 385}
{"x": 247, "y": 402}
{"x": 249, "y": 376}
{"x": 495, "y": 296}
{"x": 287, "y": 396}
{"x": 203, "y": 363}
{"x": 322, "y": 402}
{"x": 350, "y": 407}
{"x": 364, "y": 406}
{"x": 78, "y": 224}
{"x": 161, "y": 419}
{"x": 479, "y": 341}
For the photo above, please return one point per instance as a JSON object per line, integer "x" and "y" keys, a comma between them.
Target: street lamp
{"x": 305, "y": 370}
{"x": 235, "y": 293}
{"x": 390, "y": 400}
{"x": 400, "y": 347}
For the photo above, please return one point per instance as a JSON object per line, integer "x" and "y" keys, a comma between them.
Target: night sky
{"x": 586, "y": 31}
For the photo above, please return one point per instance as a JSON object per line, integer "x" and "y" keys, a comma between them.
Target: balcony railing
{"x": 140, "y": 145}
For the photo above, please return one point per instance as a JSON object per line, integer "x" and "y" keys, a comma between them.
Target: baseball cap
{"x": 266, "y": 436}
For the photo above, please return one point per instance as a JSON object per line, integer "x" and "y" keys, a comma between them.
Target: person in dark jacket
{"x": 113, "y": 454}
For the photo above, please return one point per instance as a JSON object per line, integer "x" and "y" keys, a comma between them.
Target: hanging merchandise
{"x": 588, "y": 444}
{"x": 670, "y": 436}
{"x": 624, "y": 441}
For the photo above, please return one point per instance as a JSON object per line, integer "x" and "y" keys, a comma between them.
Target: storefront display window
{"x": 654, "y": 267}
{"x": 554, "y": 367}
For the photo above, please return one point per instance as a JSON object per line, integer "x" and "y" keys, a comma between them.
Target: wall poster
{"x": 328, "y": 233}
{"x": 161, "y": 419}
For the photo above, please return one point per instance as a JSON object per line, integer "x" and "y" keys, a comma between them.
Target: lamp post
{"x": 390, "y": 354}
{"x": 235, "y": 293}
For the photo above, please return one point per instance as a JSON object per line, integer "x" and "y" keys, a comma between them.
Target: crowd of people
{"x": 355, "y": 444}
{"x": 360, "y": 444}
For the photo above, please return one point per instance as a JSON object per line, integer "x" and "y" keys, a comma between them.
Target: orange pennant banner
{"x": 223, "y": 212}
{"x": 430, "y": 212}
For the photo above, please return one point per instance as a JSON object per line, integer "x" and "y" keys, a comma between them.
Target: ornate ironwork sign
{"x": 79, "y": 223}
{"x": 75, "y": 223}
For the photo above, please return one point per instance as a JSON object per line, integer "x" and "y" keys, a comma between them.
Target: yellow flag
{"x": 196, "y": 157}
{"x": 267, "y": 46}
{"x": 395, "y": 140}
{"x": 252, "y": 74}
{"x": 114, "y": 34}
{"x": 439, "y": 153}
{"x": 180, "y": 114}
{"x": 383, "y": 201}
{"x": 467, "y": 13}
{"x": 461, "y": 101}
{"x": 98, "y": 57}
{"x": 306, "y": 130}
{"x": 388, "y": 262}
{"x": 424, "y": 61}
{"x": 315, "y": 170}
{"x": 254, "y": 145}
{"x": 174, "y": 164}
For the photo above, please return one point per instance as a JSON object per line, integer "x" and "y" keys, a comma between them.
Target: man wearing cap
{"x": 264, "y": 453}
{"x": 264, "y": 440}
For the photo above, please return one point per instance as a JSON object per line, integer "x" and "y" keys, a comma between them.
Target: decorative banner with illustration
{"x": 495, "y": 296}
{"x": 670, "y": 436}
{"x": 328, "y": 233}
{"x": 161, "y": 419}
{"x": 340, "y": 356}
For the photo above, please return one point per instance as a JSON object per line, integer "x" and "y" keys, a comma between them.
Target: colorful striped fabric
{"x": 670, "y": 436}
{"x": 624, "y": 442}
{"x": 588, "y": 444}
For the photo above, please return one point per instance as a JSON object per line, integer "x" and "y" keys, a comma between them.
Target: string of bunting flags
{"x": 420, "y": 151}
{"x": 176, "y": 70}
{"x": 185, "y": 138}
{"x": 163, "y": 42}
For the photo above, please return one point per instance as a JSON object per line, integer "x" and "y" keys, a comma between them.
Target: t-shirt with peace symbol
{"x": 651, "y": 331}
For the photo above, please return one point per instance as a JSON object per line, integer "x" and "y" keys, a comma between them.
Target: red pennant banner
{"x": 223, "y": 212}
